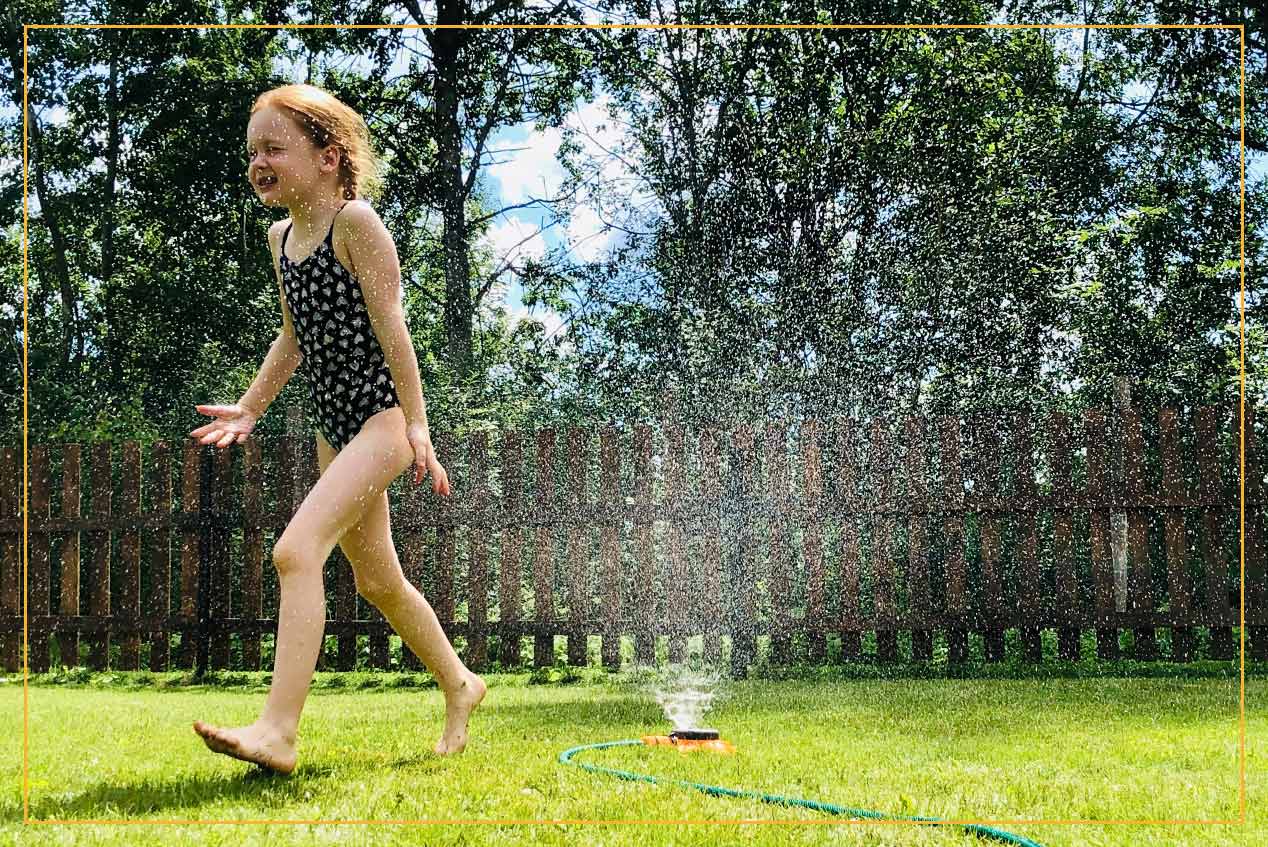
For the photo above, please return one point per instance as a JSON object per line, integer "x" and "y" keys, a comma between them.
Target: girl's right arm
{"x": 284, "y": 356}
{"x": 233, "y": 424}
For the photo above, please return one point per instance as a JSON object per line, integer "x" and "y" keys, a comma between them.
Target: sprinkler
{"x": 690, "y": 740}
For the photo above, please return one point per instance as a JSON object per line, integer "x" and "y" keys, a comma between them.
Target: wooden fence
{"x": 826, "y": 541}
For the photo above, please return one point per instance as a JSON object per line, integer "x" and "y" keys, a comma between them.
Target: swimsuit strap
{"x": 330, "y": 234}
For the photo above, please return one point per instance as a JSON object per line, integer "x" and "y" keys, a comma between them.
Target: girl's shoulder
{"x": 356, "y": 217}
{"x": 277, "y": 228}
{"x": 355, "y": 212}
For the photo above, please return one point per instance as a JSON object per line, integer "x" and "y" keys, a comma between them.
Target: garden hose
{"x": 567, "y": 757}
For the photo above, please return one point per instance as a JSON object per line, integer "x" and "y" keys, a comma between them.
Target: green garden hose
{"x": 567, "y": 758}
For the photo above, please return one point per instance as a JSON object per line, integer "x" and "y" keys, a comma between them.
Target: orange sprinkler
{"x": 689, "y": 740}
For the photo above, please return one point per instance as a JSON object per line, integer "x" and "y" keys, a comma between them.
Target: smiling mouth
{"x": 266, "y": 182}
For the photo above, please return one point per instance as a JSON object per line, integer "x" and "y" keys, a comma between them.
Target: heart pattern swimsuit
{"x": 348, "y": 378}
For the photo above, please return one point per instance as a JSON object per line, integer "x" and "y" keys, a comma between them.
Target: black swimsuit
{"x": 348, "y": 378}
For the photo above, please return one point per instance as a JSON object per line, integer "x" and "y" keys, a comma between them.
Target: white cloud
{"x": 527, "y": 168}
{"x": 505, "y": 236}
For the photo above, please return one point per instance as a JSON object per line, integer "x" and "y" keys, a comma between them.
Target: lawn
{"x": 120, "y": 746}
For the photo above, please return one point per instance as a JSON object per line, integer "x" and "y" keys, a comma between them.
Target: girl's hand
{"x": 425, "y": 461}
{"x": 232, "y": 425}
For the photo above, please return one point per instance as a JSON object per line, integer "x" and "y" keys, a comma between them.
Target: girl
{"x": 342, "y": 317}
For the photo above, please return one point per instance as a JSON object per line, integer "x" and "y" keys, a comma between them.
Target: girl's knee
{"x": 291, "y": 555}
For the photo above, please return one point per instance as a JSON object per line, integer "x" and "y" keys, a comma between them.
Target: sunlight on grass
{"x": 961, "y": 749}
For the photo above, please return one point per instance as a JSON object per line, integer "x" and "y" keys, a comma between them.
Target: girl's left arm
{"x": 378, "y": 269}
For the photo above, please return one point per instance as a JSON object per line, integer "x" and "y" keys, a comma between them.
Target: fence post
{"x": 1098, "y": 495}
{"x": 543, "y": 553}
{"x": 512, "y": 537}
{"x": 68, "y": 640}
{"x": 39, "y": 570}
{"x": 917, "y": 557}
{"x": 812, "y": 542}
{"x": 1140, "y": 583}
{"x": 953, "y": 533}
{"x": 129, "y": 590}
{"x": 99, "y": 544}
{"x": 610, "y": 546}
{"x": 11, "y": 557}
{"x": 204, "y": 558}
{"x": 157, "y": 600}
{"x": 477, "y": 545}
{"x": 1214, "y": 498}
{"x": 1179, "y": 587}
{"x": 1118, "y": 517}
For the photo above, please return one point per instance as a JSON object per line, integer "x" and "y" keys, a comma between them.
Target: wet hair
{"x": 327, "y": 120}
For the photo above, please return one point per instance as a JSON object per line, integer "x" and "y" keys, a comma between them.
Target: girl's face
{"x": 284, "y": 166}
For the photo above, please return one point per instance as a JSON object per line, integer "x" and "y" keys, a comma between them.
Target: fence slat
{"x": 187, "y": 653}
{"x": 39, "y": 565}
{"x": 883, "y": 576}
{"x": 1256, "y": 586}
{"x": 250, "y": 606}
{"x": 676, "y": 583}
{"x": 1179, "y": 590}
{"x": 743, "y": 620}
{"x": 847, "y": 498}
{"x": 812, "y": 541}
{"x": 917, "y": 558}
{"x": 129, "y": 591}
{"x": 1030, "y": 586}
{"x": 989, "y": 488}
{"x": 509, "y": 611}
{"x": 11, "y": 493}
{"x": 68, "y": 604}
{"x": 157, "y": 600}
{"x": 1215, "y": 551}
{"x": 1098, "y": 533}
{"x": 1067, "y": 586}
{"x": 711, "y": 545}
{"x": 220, "y": 585}
{"x": 578, "y": 549}
{"x": 610, "y": 547}
{"x": 544, "y": 555}
{"x": 99, "y": 544}
{"x": 780, "y": 582}
{"x": 953, "y": 534}
{"x": 478, "y": 572}
{"x": 644, "y": 551}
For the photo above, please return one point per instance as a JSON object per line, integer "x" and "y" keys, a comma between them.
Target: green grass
{"x": 1104, "y": 746}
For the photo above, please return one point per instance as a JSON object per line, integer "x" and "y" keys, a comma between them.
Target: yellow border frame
{"x": 26, "y": 819}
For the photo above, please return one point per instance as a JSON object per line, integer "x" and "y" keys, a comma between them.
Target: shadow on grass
{"x": 250, "y": 785}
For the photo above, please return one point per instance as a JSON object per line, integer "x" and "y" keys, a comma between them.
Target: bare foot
{"x": 261, "y": 745}
{"x": 459, "y": 705}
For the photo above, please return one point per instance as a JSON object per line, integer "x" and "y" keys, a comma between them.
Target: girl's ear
{"x": 332, "y": 155}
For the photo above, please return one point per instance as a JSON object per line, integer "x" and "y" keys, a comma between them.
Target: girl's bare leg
{"x": 372, "y": 553}
{"x": 350, "y": 482}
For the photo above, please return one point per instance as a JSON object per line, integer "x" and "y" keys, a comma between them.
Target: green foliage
{"x": 844, "y": 221}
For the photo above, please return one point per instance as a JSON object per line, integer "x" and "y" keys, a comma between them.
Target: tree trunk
{"x": 48, "y": 214}
{"x": 459, "y": 303}
{"x": 108, "y": 221}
